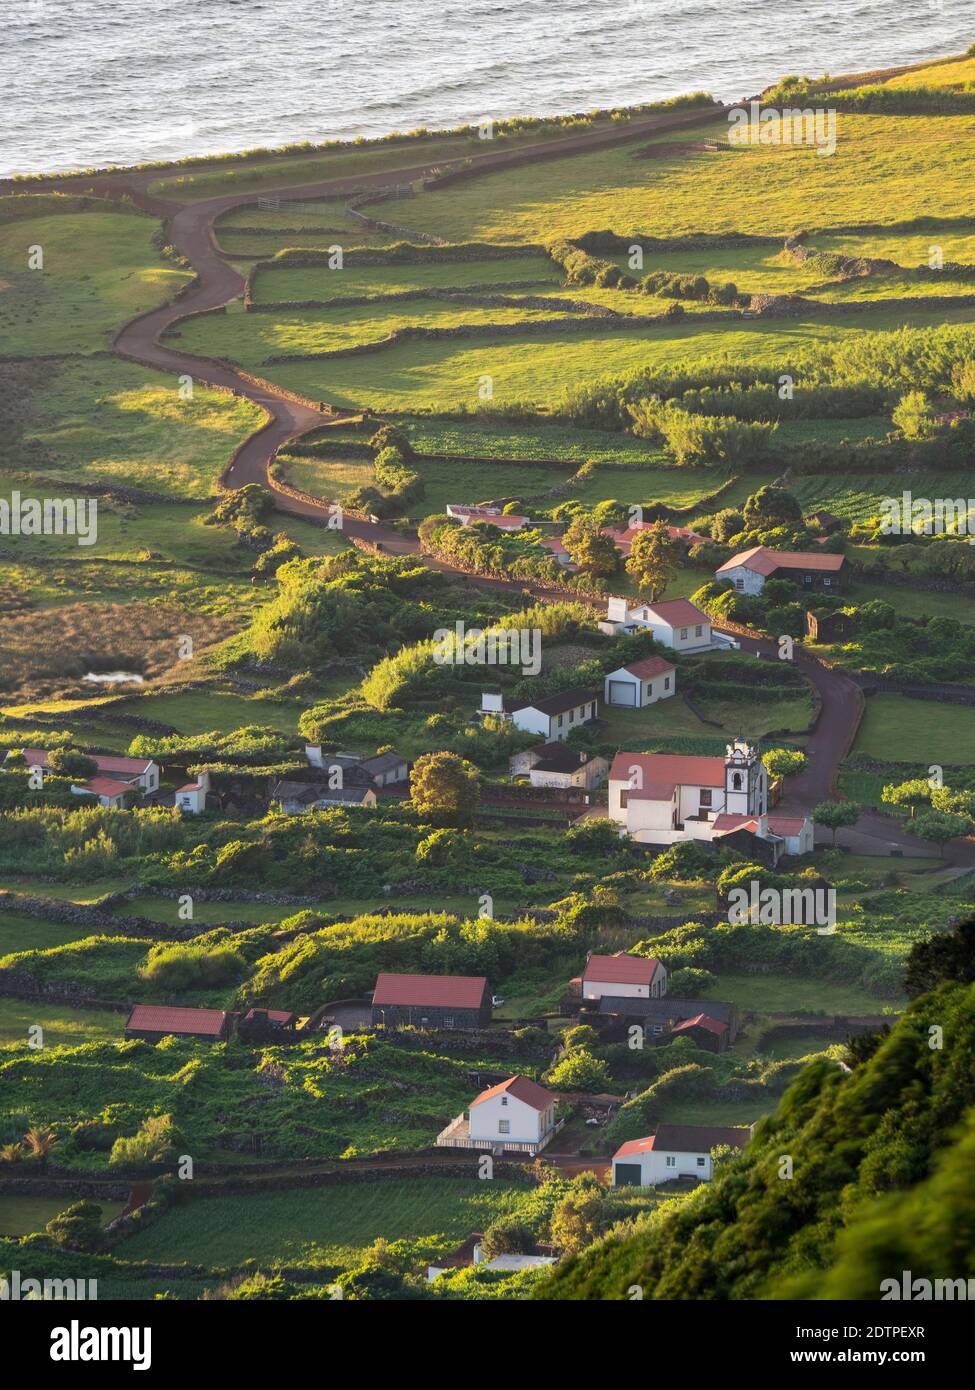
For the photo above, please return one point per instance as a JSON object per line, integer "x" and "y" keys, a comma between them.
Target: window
{"x": 739, "y": 584}
{"x": 705, "y": 796}
{"x": 699, "y": 630}
{"x": 504, "y": 1126}
{"x": 701, "y": 1161}
{"x": 666, "y": 682}
{"x": 561, "y": 720}
{"x": 624, "y": 798}
{"x": 736, "y": 782}
{"x": 448, "y": 1021}
{"x": 504, "y": 1100}
{"x": 683, "y": 633}
{"x": 671, "y": 1160}
{"x": 827, "y": 582}
{"x": 807, "y": 579}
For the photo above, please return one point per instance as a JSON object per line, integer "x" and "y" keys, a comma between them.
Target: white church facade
{"x": 663, "y": 798}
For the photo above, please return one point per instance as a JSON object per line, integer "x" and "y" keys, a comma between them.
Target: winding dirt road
{"x": 190, "y": 230}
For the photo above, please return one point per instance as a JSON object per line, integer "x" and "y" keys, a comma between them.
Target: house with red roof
{"x": 153, "y": 1022}
{"x": 808, "y": 570}
{"x": 675, "y": 622}
{"x": 674, "y": 1151}
{"x": 661, "y": 798}
{"x": 106, "y": 790}
{"x": 623, "y": 976}
{"x": 431, "y": 1001}
{"x": 192, "y": 798}
{"x": 516, "y": 1116}
{"x": 641, "y": 683}
{"x": 797, "y": 833}
{"x": 141, "y": 773}
{"x": 622, "y": 537}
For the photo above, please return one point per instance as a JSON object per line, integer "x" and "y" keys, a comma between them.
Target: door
{"x": 627, "y": 1175}
{"x": 622, "y": 693}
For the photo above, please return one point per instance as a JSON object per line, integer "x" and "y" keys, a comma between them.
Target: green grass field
{"x": 21, "y": 1216}
{"x": 328, "y": 1224}
{"x": 896, "y": 728}
{"x": 281, "y": 284}
{"x": 115, "y": 422}
{"x": 451, "y": 374}
{"x": 886, "y": 168}
{"x": 62, "y": 1025}
{"x": 99, "y": 269}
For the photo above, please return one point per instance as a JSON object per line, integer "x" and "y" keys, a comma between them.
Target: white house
{"x": 674, "y": 1151}
{"x": 517, "y": 1114}
{"x": 661, "y": 798}
{"x": 623, "y": 977}
{"x": 554, "y": 765}
{"x": 797, "y": 833}
{"x": 193, "y": 797}
{"x": 553, "y": 718}
{"x": 641, "y": 683}
{"x": 808, "y": 570}
{"x": 106, "y": 790}
{"x": 467, "y": 516}
{"x": 133, "y": 772}
{"x": 676, "y": 623}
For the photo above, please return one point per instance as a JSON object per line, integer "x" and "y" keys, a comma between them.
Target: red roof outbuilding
{"x": 435, "y": 991}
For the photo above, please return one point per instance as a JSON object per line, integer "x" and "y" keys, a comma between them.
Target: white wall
{"x": 595, "y": 989}
{"x": 751, "y": 583}
{"x": 655, "y": 1169}
{"x": 526, "y": 1124}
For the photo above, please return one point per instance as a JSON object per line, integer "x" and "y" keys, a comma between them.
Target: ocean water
{"x": 95, "y": 82}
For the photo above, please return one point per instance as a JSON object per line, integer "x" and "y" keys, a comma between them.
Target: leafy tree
{"x": 594, "y": 834}
{"x": 783, "y": 762}
{"x": 509, "y": 1235}
{"x": 445, "y": 788}
{"x": 653, "y": 561}
{"x": 78, "y": 1227}
{"x": 914, "y": 793}
{"x": 70, "y": 763}
{"x": 580, "y": 1216}
{"x": 589, "y": 548}
{"x": 727, "y": 524}
{"x": 835, "y": 815}
{"x": 914, "y": 416}
{"x": 946, "y": 957}
{"x": 941, "y": 826}
{"x": 771, "y": 506}
{"x": 579, "y": 1070}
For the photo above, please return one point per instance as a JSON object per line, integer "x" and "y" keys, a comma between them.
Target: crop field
{"x": 326, "y": 1225}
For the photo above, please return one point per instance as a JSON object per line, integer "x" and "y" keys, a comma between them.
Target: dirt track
{"x": 191, "y": 232}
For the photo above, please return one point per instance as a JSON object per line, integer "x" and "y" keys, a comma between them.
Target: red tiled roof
{"x": 634, "y": 1146}
{"x": 686, "y": 1139}
{"x": 275, "y": 1015}
{"x": 676, "y": 612}
{"x": 190, "y": 787}
{"x": 105, "y": 786}
{"x": 157, "y": 1018}
{"x": 779, "y": 825}
{"x": 766, "y": 562}
{"x": 649, "y": 667}
{"x": 446, "y": 991}
{"x": 702, "y": 1021}
{"x": 667, "y": 770}
{"x": 621, "y": 970}
{"x": 522, "y": 1089}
